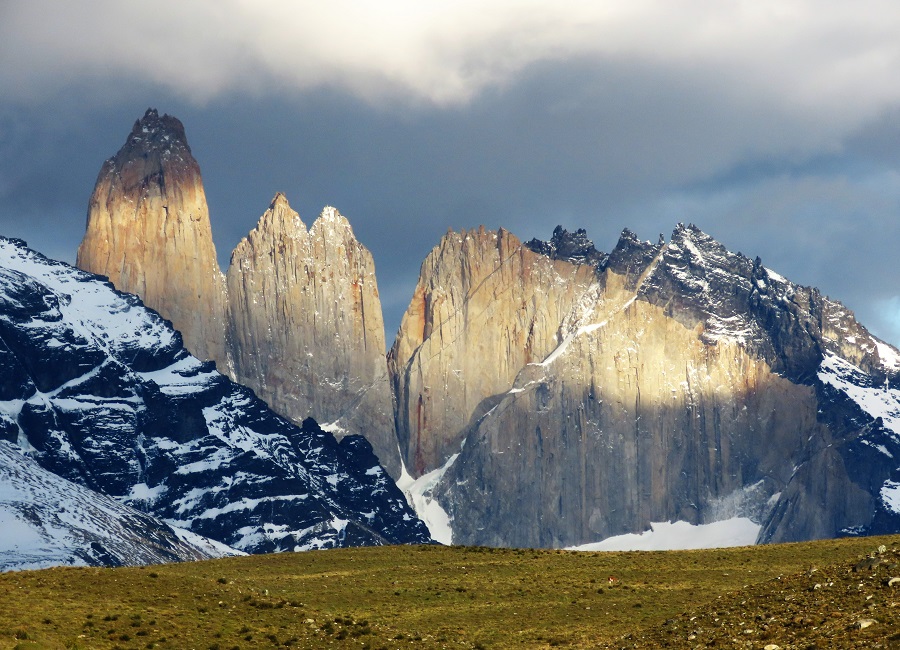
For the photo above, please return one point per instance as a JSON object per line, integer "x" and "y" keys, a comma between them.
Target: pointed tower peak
{"x": 279, "y": 200}
{"x": 331, "y": 220}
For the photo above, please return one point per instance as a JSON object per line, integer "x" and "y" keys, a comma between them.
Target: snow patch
{"x": 878, "y": 402}
{"x": 890, "y": 358}
{"x": 419, "y": 494}
{"x": 890, "y": 495}
{"x": 211, "y": 546}
{"x": 680, "y": 535}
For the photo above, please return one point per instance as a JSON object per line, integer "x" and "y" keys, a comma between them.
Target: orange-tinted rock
{"x": 306, "y": 325}
{"x": 484, "y": 307}
{"x": 148, "y": 230}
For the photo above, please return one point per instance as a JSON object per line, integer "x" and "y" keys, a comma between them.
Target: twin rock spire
{"x": 307, "y": 337}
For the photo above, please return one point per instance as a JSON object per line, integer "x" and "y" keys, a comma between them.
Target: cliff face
{"x": 484, "y": 307}
{"x": 148, "y": 231}
{"x": 305, "y": 328}
{"x": 683, "y": 382}
{"x": 306, "y": 325}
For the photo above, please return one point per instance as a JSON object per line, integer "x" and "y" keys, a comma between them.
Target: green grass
{"x": 390, "y": 597}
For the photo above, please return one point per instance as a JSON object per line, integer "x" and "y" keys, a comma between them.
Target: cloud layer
{"x": 840, "y": 58}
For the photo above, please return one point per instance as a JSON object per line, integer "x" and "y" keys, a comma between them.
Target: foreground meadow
{"x": 456, "y": 597}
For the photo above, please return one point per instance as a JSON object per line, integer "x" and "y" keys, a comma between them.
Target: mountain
{"x": 306, "y": 326}
{"x": 100, "y": 391}
{"x": 543, "y": 393}
{"x": 49, "y": 521}
{"x": 298, "y": 319}
{"x": 667, "y": 381}
{"x": 484, "y": 307}
{"x": 148, "y": 231}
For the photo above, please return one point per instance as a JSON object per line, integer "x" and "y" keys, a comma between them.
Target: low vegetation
{"x": 790, "y": 596}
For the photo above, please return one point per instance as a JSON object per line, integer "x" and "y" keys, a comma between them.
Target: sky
{"x": 774, "y": 126}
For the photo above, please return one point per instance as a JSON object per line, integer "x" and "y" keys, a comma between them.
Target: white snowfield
{"x": 878, "y": 401}
{"x": 47, "y": 521}
{"x": 681, "y": 536}
{"x": 418, "y": 493}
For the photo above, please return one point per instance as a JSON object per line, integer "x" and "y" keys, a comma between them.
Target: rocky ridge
{"x": 686, "y": 382}
{"x": 100, "y": 391}
{"x": 49, "y": 521}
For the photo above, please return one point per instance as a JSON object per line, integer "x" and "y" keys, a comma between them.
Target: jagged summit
{"x": 148, "y": 231}
{"x": 306, "y": 329}
{"x": 676, "y": 381}
{"x": 152, "y": 133}
{"x": 572, "y": 247}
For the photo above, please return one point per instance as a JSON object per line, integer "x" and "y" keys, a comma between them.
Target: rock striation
{"x": 306, "y": 326}
{"x": 148, "y": 231}
{"x": 679, "y": 382}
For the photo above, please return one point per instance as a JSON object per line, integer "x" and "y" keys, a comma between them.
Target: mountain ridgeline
{"x": 99, "y": 391}
{"x": 552, "y": 394}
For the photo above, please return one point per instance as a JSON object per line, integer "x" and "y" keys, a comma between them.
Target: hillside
{"x": 436, "y": 597}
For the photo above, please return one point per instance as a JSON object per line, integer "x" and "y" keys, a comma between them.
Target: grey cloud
{"x": 597, "y": 135}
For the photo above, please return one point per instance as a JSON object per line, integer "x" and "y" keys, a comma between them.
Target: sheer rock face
{"x": 307, "y": 328}
{"x": 484, "y": 307}
{"x": 680, "y": 381}
{"x": 148, "y": 231}
{"x": 306, "y": 325}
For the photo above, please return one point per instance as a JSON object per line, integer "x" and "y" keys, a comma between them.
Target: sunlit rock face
{"x": 675, "y": 381}
{"x": 307, "y": 328}
{"x": 148, "y": 231}
{"x": 484, "y": 307}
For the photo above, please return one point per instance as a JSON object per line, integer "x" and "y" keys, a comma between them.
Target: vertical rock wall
{"x": 484, "y": 307}
{"x": 306, "y": 326}
{"x": 148, "y": 230}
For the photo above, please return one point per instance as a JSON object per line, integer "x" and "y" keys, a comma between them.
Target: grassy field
{"x": 436, "y": 597}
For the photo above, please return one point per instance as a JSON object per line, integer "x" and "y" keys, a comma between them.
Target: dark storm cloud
{"x": 765, "y": 125}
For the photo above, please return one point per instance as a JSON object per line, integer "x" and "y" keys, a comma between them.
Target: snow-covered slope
{"x": 46, "y": 520}
{"x": 99, "y": 390}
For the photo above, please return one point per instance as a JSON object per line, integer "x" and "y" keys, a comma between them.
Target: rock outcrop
{"x": 148, "y": 231}
{"x": 305, "y": 328}
{"x": 306, "y": 325}
{"x": 678, "y": 382}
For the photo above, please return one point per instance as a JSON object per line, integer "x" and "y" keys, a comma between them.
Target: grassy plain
{"x": 457, "y": 597}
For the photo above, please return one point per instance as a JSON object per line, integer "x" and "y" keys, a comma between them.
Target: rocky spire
{"x": 148, "y": 230}
{"x": 306, "y": 325}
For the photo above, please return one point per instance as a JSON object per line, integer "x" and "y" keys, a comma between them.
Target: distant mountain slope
{"x": 99, "y": 390}
{"x": 46, "y": 520}
{"x": 665, "y": 381}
